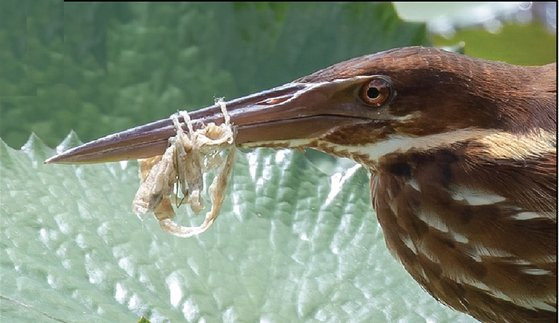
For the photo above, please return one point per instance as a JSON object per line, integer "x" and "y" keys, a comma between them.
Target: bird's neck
{"x": 519, "y": 167}
{"x": 483, "y": 145}
{"x": 433, "y": 204}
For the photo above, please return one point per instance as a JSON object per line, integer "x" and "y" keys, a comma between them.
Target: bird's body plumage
{"x": 480, "y": 246}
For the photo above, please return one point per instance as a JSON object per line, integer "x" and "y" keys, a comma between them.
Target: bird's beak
{"x": 295, "y": 112}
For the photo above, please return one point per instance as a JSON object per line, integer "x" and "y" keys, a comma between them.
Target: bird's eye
{"x": 376, "y": 92}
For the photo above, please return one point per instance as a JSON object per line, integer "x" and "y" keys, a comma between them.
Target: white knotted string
{"x": 183, "y": 164}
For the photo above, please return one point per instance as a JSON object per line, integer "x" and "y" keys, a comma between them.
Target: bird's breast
{"x": 477, "y": 249}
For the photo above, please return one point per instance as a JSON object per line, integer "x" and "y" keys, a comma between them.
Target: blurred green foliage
{"x": 102, "y": 67}
{"x": 521, "y": 44}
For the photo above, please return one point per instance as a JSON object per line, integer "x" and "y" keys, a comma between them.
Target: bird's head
{"x": 363, "y": 108}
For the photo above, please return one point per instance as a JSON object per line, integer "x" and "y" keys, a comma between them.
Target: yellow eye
{"x": 376, "y": 92}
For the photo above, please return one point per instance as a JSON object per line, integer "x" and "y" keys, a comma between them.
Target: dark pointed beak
{"x": 289, "y": 115}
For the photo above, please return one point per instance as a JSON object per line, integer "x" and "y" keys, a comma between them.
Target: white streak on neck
{"x": 409, "y": 243}
{"x": 458, "y": 237}
{"x": 536, "y": 271}
{"x": 475, "y": 197}
{"x": 506, "y": 145}
{"x": 413, "y": 183}
{"x": 534, "y": 215}
{"x": 433, "y": 220}
{"x": 399, "y": 143}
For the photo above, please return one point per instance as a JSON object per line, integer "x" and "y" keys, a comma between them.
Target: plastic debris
{"x": 179, "y": 173}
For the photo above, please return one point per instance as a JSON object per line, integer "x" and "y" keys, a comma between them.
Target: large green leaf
{"x": 292, "y": 244}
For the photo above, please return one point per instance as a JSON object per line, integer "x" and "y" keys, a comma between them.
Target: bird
{"x": 461, "y": 153}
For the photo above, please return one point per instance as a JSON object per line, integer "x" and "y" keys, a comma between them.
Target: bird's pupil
{"x": 373, "y": 92}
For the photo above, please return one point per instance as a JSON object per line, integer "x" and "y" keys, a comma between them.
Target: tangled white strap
{"x": 179, "y": 172}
